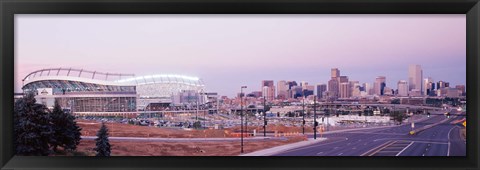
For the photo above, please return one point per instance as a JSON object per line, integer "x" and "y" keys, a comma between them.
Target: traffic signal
{"x": 303, "y": 122}
{"x": 316, "y": 124}
{"x": 428, "y": 114}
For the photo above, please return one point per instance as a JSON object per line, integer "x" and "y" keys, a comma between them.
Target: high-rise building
{"x": 333, "y": 87}
{"x": 309, "y": 90}
{"x": 343, "y": 79}
{"x": 344, "y": 90}
{"x": 429, "y": 86}
{"x": 354, "y": 88}
{"x": 320, "y": 89}
{"x": 303, "y": 84}
{"x": 335, "y": 73}
{"x": 379, "y": 85}
{"x": 367, "y": 88}
{"x": 442, "y": 84}
{"x": 334, "y": 83}
{"x": 296, "y": 91}
{"x": 402, "y": 87}
{"x": 461, "y": 88}
{"x": 282, "y": 89}
{"x": 415, "y": 77}
{"x": 268, "y": 83}
{"x": 268, "y": 92}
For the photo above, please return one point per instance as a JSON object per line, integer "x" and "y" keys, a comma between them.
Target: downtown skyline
{"x": 227, "y": 52}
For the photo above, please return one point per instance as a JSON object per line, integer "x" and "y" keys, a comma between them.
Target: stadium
{"x": 85, "y": 92}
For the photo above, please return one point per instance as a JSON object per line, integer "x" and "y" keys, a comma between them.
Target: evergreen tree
{"x": 32, "y": 127}
{"x": 66, "y": 131}
{"x": 102, "y": 145}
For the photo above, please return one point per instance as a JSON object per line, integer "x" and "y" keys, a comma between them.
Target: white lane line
{"x": 404, "y": 149}
{"x": 448, "y": 151}
{"x": 340, "y": 154}
{"x": 319, "y": 153}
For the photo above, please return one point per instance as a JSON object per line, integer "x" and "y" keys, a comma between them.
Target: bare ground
{"x": 220, "y": 148}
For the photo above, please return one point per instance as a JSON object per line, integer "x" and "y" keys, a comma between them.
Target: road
{"x": 439, "y": 140}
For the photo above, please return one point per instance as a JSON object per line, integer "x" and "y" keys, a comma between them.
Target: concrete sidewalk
{"x": 278, "y": 149}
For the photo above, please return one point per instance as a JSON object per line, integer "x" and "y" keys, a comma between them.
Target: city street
{"x": 439, "y": 140}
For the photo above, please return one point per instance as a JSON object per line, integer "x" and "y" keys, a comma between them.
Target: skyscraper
{"x": 402, "y": 87}
{"x": 269, "y": 92}
{"x": 427, "y": 86}
{"x": 282, "y": 89}
{"x": 354, "y": 88}
{"x": 379, "y": 85}
{"x": 442, "y": 84}
{"x": 334, "y": 83}
{"x": 344, "y": 90}
{"x": 367, "y": 88}
{"x": 320, "y": 89}
{"x": 415, "y": 77}
{"x": 335, "y": 73}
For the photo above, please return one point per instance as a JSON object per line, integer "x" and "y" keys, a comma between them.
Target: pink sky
{"x": 228, "y": 51}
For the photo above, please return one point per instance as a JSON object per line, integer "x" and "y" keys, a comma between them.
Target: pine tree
{"x": 102, "y": 145}
{"x": 32, "y": 127}
{"x": 67, "y": 133}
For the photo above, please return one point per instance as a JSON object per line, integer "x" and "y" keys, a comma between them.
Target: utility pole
{"x": 303, "y": 112}
{"x": 264, "y": 117}
{"x": 241, "y": 117}
{"x": 315, "y": 124}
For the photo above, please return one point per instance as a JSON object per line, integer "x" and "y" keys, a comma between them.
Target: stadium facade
{"x": 87, "y": 92}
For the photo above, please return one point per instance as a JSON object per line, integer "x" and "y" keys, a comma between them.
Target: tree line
{"x": 39, "y": 131}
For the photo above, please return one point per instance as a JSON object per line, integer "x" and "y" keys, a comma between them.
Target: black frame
{"x": 10, "y": 7}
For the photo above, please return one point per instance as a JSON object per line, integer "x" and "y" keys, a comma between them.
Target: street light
{"x": 241, "y": 116}
{"x": 315, "y": 124}
{"x": 264, "y": 117}
{"x": 303, "y": 112}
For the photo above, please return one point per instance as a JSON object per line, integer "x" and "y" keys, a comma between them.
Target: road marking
{"x": 319, "y": 153}
{"x": 377, "y": 148}
{"x": 340, "y": 154}
{"x": 313, "y": 146}
{"x": 404, "y": 149}
{"x": 448, "y": 150}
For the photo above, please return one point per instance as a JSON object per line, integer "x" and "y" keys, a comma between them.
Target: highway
{"x": 442, "y": 139}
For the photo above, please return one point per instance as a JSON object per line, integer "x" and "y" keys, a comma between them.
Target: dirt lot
{"x": 122, "y": 148}
{"x": 90, "y": 128}
{"x": 131, "y": 148}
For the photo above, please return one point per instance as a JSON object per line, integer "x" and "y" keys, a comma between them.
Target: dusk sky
{"x": 228, "y": 51}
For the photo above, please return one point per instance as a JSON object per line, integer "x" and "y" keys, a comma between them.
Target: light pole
{"x": 264, "y": 117}
{"x": 241, "y": 117}
{"x": 315, "y": 124}
{"x": 303, "y": 112}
